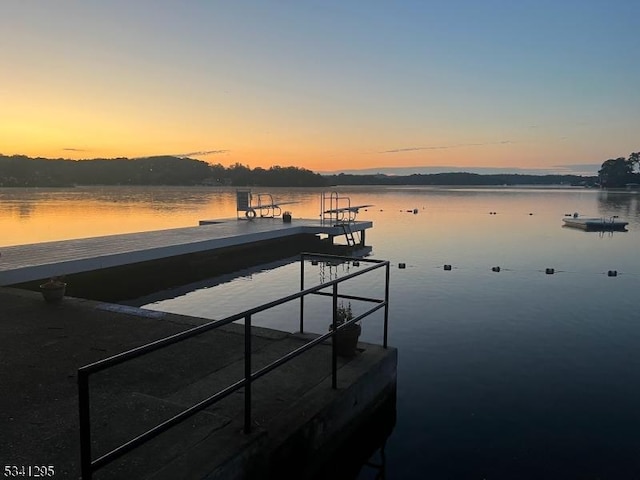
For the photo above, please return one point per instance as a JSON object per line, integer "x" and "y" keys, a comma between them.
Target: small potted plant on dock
{"x": 53, "y": 289}
{"x": 346, "y": 338}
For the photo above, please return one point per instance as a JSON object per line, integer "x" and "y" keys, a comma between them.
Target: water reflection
{"x": 21, "y": 210}
{"x": 184, "y": 290}
{"x": 624, "y": 204}
{"x": 363, "y": 454}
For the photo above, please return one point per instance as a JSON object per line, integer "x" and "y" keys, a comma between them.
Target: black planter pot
{"x": 53, "y": 292}
{"x": 347, "y": 340}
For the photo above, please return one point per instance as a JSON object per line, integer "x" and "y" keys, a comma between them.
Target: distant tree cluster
{"x": 275, "y": 176}
{"x": 22, "y": 171}
{"x": 619, "y": 172}
{"x": 461, "y": 178}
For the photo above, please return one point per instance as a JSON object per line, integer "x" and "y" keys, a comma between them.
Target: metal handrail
{"x": 88, "y": 466}
{"x": 334, "y": 207}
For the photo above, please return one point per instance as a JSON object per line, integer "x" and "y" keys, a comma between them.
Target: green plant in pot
{"x": 346, "y": 338}
{"x": 53, "y": 289}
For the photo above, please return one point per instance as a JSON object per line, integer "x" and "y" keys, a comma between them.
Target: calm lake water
{"x": 501, "y": 375}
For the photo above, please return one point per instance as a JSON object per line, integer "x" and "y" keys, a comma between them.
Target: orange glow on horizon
{"x": 60, "y": 125}
{"x": 324, "y": 160}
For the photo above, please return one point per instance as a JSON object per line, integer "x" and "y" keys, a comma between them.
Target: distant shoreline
{"x": 22, "y": 171}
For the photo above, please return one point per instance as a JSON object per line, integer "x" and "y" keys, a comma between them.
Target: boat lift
{"x": 258, "y": 204}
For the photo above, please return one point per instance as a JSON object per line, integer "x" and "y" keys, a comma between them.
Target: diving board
{"x": 355, "y": 209}
{"x": 338, "y": 209}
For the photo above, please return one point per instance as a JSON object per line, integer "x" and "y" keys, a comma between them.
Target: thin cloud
{"x": 445, "y": 147}
{"x": 203, "y": 153}
{"x": 69, "y": 149}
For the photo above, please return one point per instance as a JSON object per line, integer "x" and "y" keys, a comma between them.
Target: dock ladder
{"x": 348, "y": 233}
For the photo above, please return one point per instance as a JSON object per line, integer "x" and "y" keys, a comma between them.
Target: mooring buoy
{"x": 402, "y": 265}
{"x": 549, "y": 271}
{"x": 612, "y": 273}
{"x": 495, "y": 269}
{"x": 447, "y": 267}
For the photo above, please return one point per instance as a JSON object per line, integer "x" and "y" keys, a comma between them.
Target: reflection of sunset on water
{"x": 40, "y": 215}
{"x": 452, "y": 224}
{"x": 31, "y": 216}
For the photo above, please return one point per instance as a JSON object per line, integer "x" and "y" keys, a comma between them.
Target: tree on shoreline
{"x": 618, "y": 172}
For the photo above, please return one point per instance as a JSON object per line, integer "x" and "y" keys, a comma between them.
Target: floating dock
{"x": 186, "y": 253}
{"x": 595, "y": 224}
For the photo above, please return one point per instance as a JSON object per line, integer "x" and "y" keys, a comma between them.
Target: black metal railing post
{"x": 247, "y": 374}
{"x": 85, "y": 425}
{"x": 334, "y": 339}
{"x": 302, "y": 297}
{"x": 386, "y": 306}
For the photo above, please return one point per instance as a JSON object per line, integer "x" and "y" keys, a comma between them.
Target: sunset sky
{"x": 322, "y": 84}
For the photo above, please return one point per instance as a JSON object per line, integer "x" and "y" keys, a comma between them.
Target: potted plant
{"x": 346, "y": 339}
{"x": 53, "y": 289}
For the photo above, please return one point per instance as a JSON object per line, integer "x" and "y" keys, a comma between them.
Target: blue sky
{"x": 324, "y": 85}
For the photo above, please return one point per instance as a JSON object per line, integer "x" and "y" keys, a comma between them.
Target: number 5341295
{"x": 28, "y": 471}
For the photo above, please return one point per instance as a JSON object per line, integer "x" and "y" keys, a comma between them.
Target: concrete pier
{"x": 297, "y": 416}
{"x": 125, "y": 266}
{"x": 24, "y": 263}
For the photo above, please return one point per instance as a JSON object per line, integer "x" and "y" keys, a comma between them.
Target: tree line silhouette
{"x": 620, "y": 172}
{"x": 461, "y": 178}
{"x": 23, "y": 171}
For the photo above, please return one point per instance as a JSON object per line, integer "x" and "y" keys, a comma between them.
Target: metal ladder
{"x": 348, "y": 233}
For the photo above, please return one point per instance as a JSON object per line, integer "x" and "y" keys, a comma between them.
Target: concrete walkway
{"x": 24, "y": 263}
{"x": 42, "y": 345}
